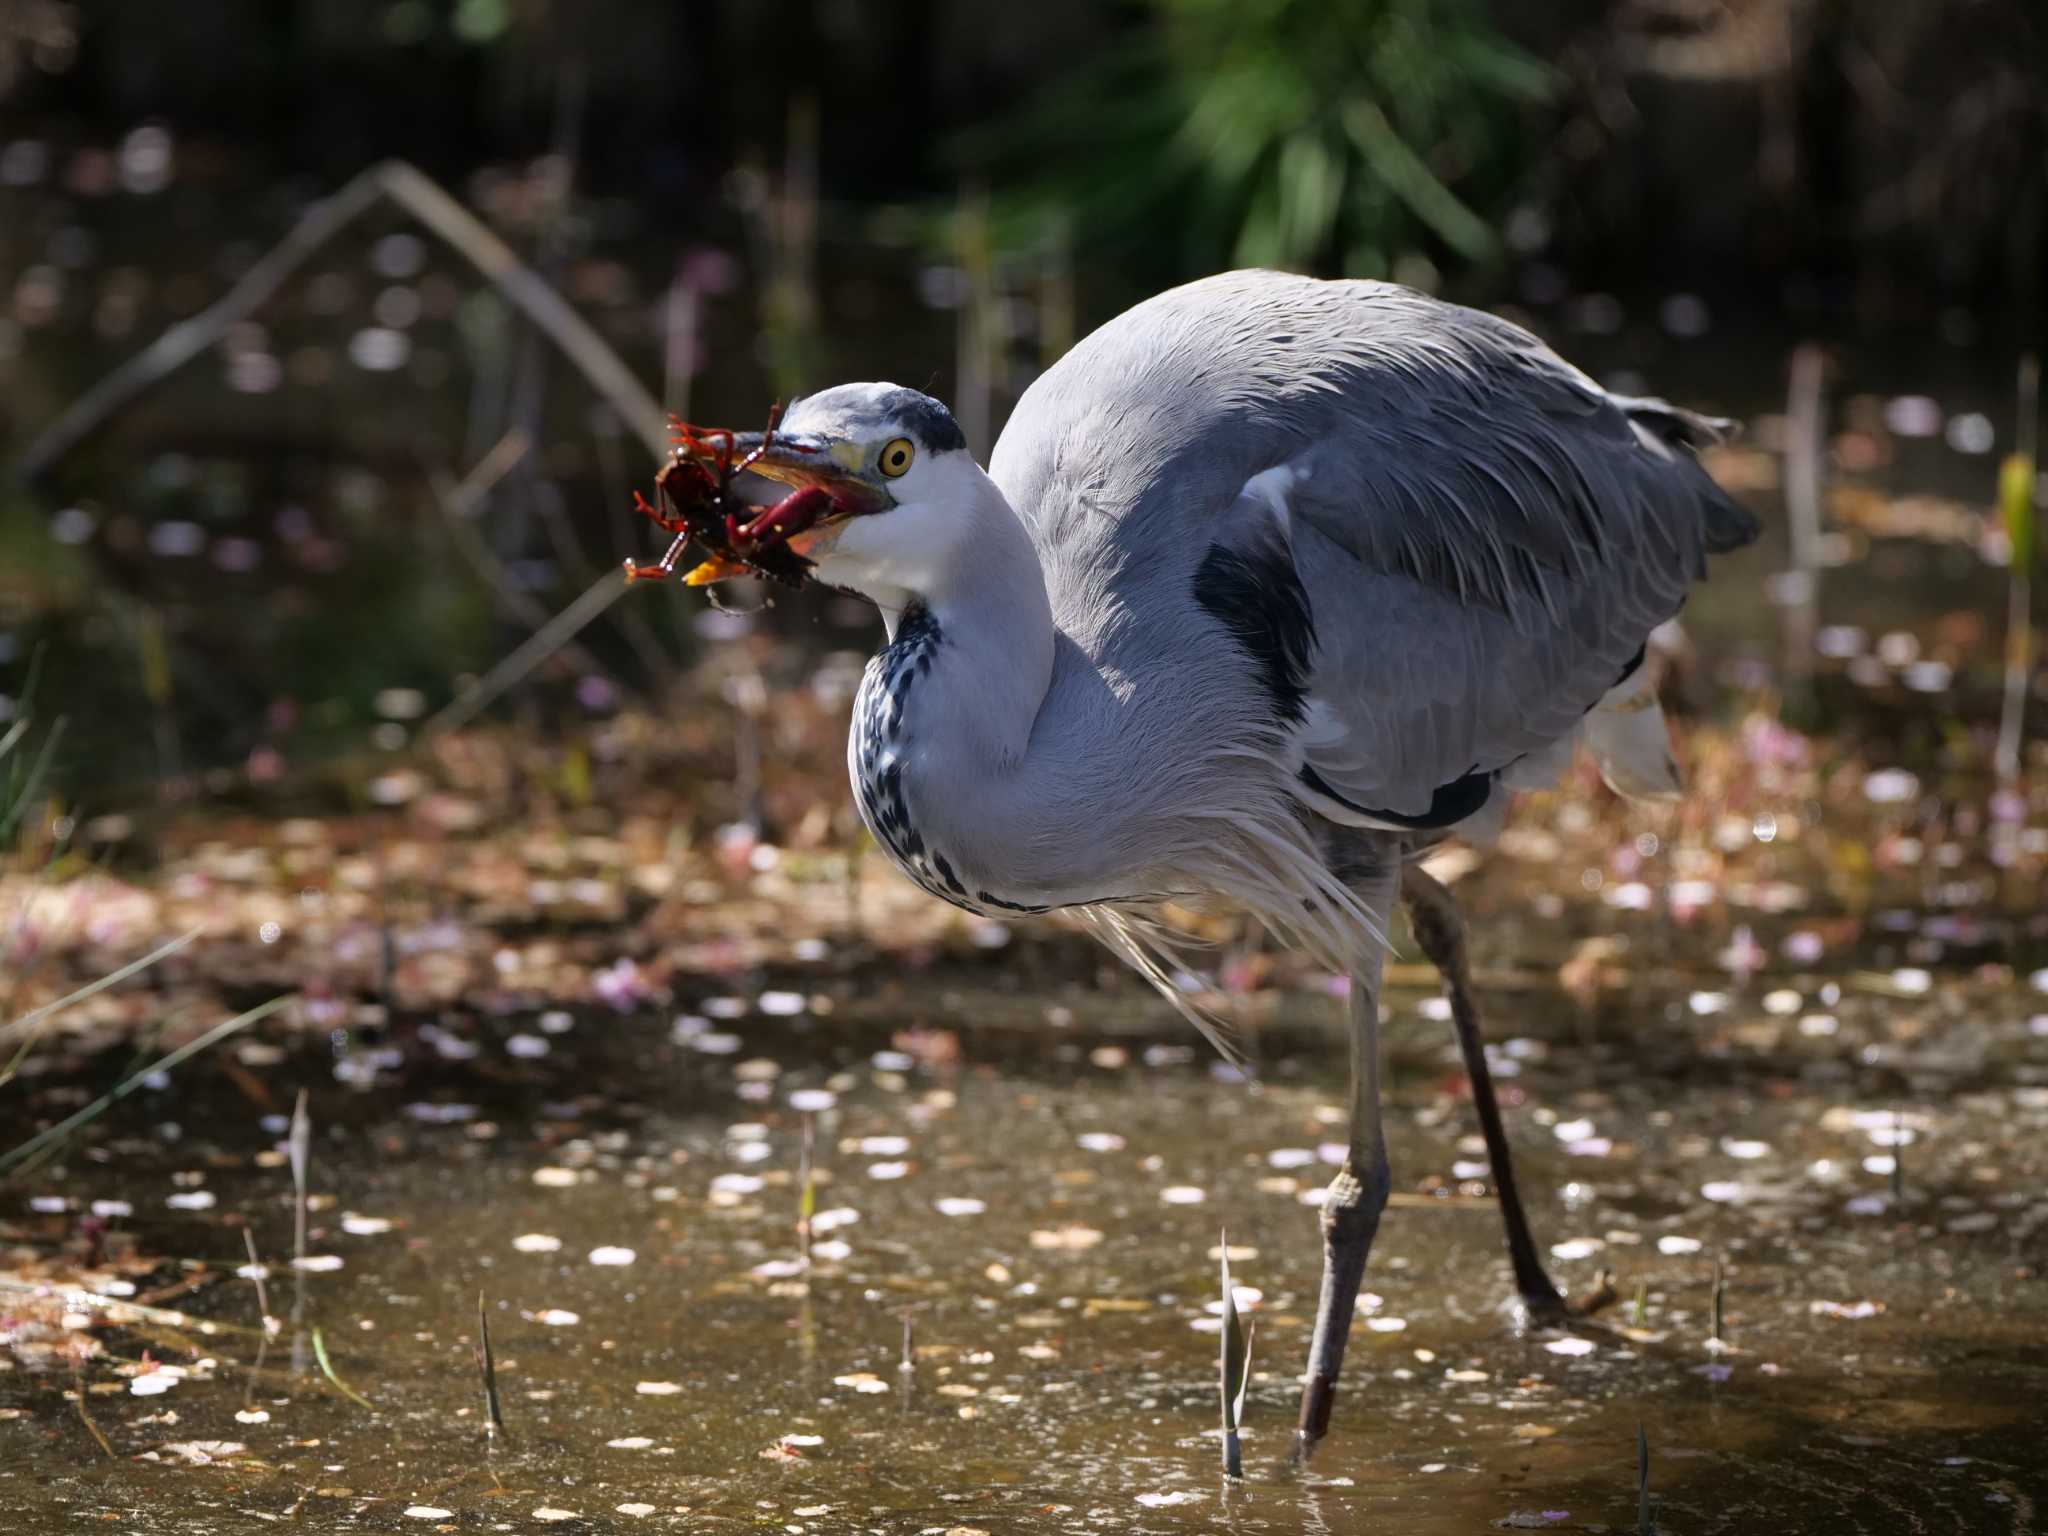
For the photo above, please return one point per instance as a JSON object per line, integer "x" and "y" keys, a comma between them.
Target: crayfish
{"x": 696, "y": 484}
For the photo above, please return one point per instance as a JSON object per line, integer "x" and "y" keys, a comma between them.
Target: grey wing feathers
{"x": 1484, "y": 536}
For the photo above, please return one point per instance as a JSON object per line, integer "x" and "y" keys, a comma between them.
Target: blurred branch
{"x": 420, "y": 196}
{"x": 458, "y": 503}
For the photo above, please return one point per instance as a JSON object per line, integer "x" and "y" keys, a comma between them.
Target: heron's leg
{"x": 1351, "y": 1212}
{"x": 1440, "y": 932}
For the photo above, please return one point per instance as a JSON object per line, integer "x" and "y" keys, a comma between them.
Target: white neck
{"x": 961, "y": 553}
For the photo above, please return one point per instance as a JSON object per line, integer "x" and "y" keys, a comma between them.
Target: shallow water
{"x": 1044, "y": 1203}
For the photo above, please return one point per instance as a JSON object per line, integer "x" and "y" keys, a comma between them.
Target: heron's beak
{"x": 802, "y": 461}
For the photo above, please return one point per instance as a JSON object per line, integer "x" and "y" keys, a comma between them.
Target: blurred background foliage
{"x": 266, "y": 560}
{"x": 1351, "y": 137}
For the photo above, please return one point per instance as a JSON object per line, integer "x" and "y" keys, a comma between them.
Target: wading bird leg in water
{"x": 1351, "y": 1212}
{"x": 1439, "y": 930}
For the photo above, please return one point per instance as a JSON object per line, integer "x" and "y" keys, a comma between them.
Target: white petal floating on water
{"x": 958, "y": 1205}
{"x": 782, "y": 1005}
{"x": 558, "y": 1317}
{"x": 777, "y": 1269}
{"x": 1745, "y": 1151}
{"x": 1163, "y": 1500}
{"x": 252, "y": 1416}
{"x": 1673, "y": 1244}
{"x": 716, "y": 1044}
{"x": 1722, "y": 1190}
{"x": 613, "y": 1257}
{"x": 554, "y": 1178}
{"x": 887, "y": 1170}
{"x": 1291, "y": 1157}
{"x": 537, "y": 1242}
{"x": 1073, "y": 1237}
{"x": 152, "y": 1383}
{"x": 1109, "y": 1141}
{"x": 658, "y": 1388}
{"x": 1709, "y": 1002}
{"x": 109, "y": 1208}
{"x": 191, "y": 1200}
{"x": 860, "y": 1381}
{"x": 1432, "y": 1466}
{"x": 550, "y": 1513}
{"x": 1867, "y": 1205}
{"x": 629, "y": 1442}
{"x": 365, "y": 1226}
{"x": 1590, "y": 1146}
{"x": 1466, "y": 1169}
{"x": 1890, "y": 786}
{"x": 635, "y": 1510}
{"x": 1183, "y": 1194}
{"x": 318, "y": 1263}
{"x": 882, "y": 1146}
{"x": 805, "y": 1441}
{"x": 830, "y": 1221}
{"x": 1576, "y": 1248}
{"x": 737, "y": 1183}
{"x": 1572, "y": 1346}
{"x": 1818, "y": 1025}
{"x": 1853, "y": 1311}
{"x": 1387, "y": 1324}
{"x": 832, "y": 1250}
{"x": 1783, "y": 1002}
{"x": 428, "y": 1512}
{"x": 1881, "y": 1164}
{"x": 813, "y": 1101}
{"x": 528, "y": 1047}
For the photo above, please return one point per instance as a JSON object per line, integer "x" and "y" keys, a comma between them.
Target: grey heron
{"x": 1270, "y": 585}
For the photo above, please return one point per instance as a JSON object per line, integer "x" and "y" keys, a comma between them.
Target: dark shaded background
{"x": 748, "y": 201}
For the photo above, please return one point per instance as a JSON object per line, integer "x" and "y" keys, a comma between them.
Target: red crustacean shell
{"x": 696, "y": 487}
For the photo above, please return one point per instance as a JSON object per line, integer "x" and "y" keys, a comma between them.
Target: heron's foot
{"x": 1544, "y": 1306}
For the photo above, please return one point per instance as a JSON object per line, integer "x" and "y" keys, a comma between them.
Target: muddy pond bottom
{"x": 1008, "y": 1319}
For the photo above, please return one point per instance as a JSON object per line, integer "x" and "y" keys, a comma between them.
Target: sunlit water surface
{"x": 1044, "y": 1205}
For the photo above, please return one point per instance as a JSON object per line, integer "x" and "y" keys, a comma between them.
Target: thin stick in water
{"x": 85, "y": 1417}
{"x": 1720, "y": 1291}
{"x": 487, "y": 1367}
{"x": 1898, "y": 1161}
{"x": 1235, "y": 1369}
{"x": 263, "y": 1317}
{"x": 1644, "y": 1527}
{"x": 807, "y": 1196}
{"x": 301, "y": 1149}
{"x": 327, "y": 1370}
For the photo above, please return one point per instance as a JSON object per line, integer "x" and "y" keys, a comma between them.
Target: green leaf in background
{"x": 1313, "y": 134}
{"x": 2016, "y": 509}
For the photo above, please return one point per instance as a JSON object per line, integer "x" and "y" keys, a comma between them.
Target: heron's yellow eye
{"x": 896, "y": 457}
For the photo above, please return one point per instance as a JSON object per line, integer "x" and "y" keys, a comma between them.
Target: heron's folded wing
{"x": 1482, "y": 564}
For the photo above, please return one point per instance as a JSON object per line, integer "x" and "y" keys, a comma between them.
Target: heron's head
{"x": 902, "y": 482}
